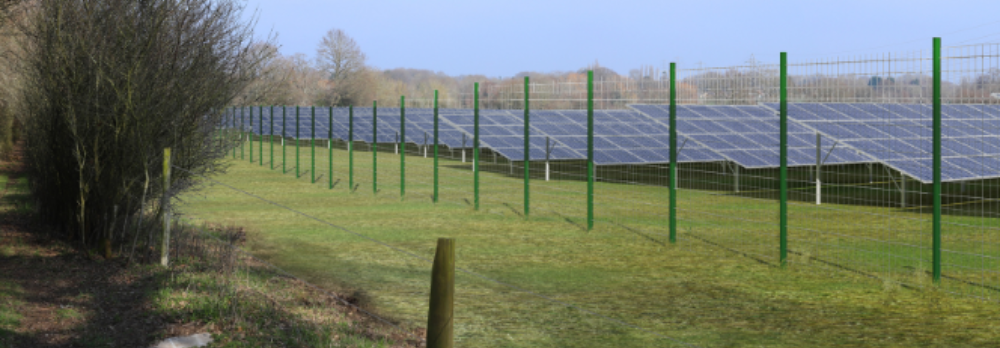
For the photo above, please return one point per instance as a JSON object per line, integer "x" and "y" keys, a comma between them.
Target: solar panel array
{"x": 259, "y": 121}
{"x": 501, "y": 131}
{"x": 749, "y": 135}
{"x": 620, "y": 136}
{"x": 900, "y": 135}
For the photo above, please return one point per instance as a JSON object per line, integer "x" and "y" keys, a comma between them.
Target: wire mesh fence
{"x": 880, "y": 166}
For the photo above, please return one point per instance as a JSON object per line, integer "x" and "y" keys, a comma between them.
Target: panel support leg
{"x": 902, "y": 190}
{"x": 736, "y": 177}
{"x": 819, "y": 169}
{"x": 819, "y": 191}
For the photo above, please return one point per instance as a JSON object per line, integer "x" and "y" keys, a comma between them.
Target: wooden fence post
{"x": 440, "y": 326}
{"x": 165, "y": 205}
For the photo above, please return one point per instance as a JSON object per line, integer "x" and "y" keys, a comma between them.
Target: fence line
{"x": 880, "y": 165}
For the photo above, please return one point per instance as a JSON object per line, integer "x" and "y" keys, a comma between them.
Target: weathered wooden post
{"x": 440, "y": 318}
{"x": 165, "y": 205}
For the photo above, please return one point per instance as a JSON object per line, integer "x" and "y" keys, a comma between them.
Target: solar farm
{"x": 894, "y": 135}
{"x": 835, "y": 170}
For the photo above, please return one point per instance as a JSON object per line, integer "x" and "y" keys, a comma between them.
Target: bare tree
{"x": 12, "y": 12}
{"x": 268, "y": 78}
{"x": 109, "y": 84}
{"x": 7, "y": 9}
{"x": 340, "y": 57}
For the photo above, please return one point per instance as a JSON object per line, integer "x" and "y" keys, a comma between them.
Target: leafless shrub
{"x": 109, "y": 84}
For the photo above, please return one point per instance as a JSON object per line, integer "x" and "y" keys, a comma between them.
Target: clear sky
{"x": 501, "y": 38}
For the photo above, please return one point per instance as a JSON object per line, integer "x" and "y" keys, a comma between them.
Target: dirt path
{"x": 62, "y": 297}
{"x": 54, "y": 294}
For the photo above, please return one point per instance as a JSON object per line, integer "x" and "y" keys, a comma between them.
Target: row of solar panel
{"x": 922, "y": 148}
{"x": 749, "y": 135}
{"x": 620, "y": 132}
{"x": 628, "y": 138}
{"x": 870, "y": 112}
{"x": 898, "y": 135}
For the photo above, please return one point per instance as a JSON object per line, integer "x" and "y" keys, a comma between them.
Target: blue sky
{"x": 503, "y": 38}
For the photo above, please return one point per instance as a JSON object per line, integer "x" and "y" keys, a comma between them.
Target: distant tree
{"x": 687, "y": 94}
{"x": 341, "y": 59}
{"x": 878, "y": 81}
{"x": 875, "y": 81}
{"x": 600, "y": 72}
{"x": 268, "y": 79}
{"x": 989, "y": 79}
{"x": 303, "y": 83}
{"x": 11, "y": 13}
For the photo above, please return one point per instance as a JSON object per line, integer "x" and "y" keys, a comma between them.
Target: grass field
{"x": 856, "y": 277}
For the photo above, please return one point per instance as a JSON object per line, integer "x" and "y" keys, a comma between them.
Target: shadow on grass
{"x": 62, "y": 297}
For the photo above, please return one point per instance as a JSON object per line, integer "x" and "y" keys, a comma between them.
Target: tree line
{"x": 339, "y": 75}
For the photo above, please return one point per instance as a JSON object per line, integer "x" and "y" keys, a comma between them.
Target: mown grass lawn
{"x": 620, "y": 285}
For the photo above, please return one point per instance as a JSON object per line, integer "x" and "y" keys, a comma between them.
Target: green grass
{"x": 243, "y": 303}
{"x": 68, "y": 313}
{"x": 702, "y": 290}
{"x": 251, "y": 306}
{"x": 11, "y": 297}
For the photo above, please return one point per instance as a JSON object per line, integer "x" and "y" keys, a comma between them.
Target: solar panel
{"x": 747, "y": 135}
{"x": 900, "y": 135}
{"x": 566, "y": 132}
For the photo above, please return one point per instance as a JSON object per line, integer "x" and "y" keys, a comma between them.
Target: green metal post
{"x": 936, "y": 229}
{"x": 312, "y": 146}
{"x": 350, "y": 148}
{"x": 672, "y": 175}
{"x": 232, "y": 126}
{"x": 435, "y": 146}
{"x": 250, "y": 136}
{"x": 527, "y": 155}
{"x": 296, "y": 137}
{"x": 329, "y": 144}
{"x": 590, "y": 150}
{"x": 271, "y": 138}
{"x": 783, "y": 173}
{"x": 284, "y": 131}
{"x": 375, "y": 146}
{"x": 243, "y": 142}
{"x": 260, "y": 143}
{"x": 475, "y": 147}
{"x": 402, "y": 147}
